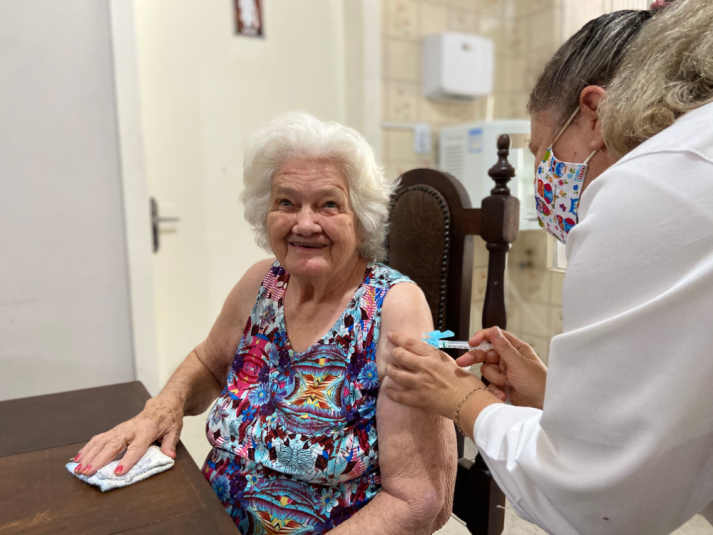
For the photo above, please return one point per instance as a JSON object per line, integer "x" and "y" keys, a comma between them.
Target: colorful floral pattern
{"x": 557, "y": 189}
{"x": 295, "y": 448}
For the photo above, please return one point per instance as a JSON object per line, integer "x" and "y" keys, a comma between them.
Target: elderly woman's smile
{"x": 311, "y": 226}
{"x": 302, "y": 436}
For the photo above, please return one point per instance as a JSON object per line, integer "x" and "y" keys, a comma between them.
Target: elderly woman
{"x": 621, "y": 439}
{"x": 304, "y": 440}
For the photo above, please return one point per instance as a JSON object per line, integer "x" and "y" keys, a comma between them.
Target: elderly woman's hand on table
{"x": 161, "y": 420}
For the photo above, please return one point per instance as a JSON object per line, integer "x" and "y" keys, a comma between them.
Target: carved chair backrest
{"x": 431, "y": 240}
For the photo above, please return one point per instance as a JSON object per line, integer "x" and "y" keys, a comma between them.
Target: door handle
{"x": 156, "y": 220}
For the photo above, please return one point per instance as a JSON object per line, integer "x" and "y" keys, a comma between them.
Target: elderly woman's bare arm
{"x": 190, "y": 390}
{"x": 417, "y": 450}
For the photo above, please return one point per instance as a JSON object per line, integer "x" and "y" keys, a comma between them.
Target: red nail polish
{"x": 118, "y": 470}
{"x": 78, "y": 468}
{"x": 87, "y": 469}
{"x": 76, "y": 458}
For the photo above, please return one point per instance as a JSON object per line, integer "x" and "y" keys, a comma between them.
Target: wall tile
{"x": 491, "y": 27}
{"x": 502, "y": 74}
{"x": 476, "y": 316}
{"x": 556, "y": 281}
{"x": 402, "y": 18}
{"x": 511, "y": 106}
{"x": 434, "y": 18}
{"x": 480, "y": 107}
{"x": 556, "y": 320}
{"x": 525, "y": 8}
{"x": 480, "y": 281}
{"x": 480, "y": 255}
{"x": 492, "y": 7}
{"x": 463, "y": 21}
{"x": 515, "y": 39}
{"x": 543, "y": 31}
{"x": 402, "y": 102}
{"x": 541, "y": 327}
{"x": 396, "y": 169}
{"x": 403, "y": 60}
{"x": 438, "y": 112}
{"x": 531, "y": 246}
{"x": 510, "y": 10}
{"x": 385, "y": 7}
{"x": 470, "y": 5}
{"x": 515, "y": 77}
{"x": 534, "y": 67}
{"x": 399, "y": 145}
{"x": 534, "y": 285}
{"x": 514, "y": 316}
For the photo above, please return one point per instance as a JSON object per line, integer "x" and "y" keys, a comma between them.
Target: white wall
{"x": 64, "y": 297}
{"x": 203, "y": 91}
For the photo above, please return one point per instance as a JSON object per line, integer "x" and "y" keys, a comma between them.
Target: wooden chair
{"x": 431, "y": 238}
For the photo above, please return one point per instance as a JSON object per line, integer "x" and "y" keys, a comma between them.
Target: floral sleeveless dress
{"x": 295, "y": 448}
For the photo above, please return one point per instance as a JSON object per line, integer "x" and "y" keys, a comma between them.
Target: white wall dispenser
{"x": 457, "y": 66}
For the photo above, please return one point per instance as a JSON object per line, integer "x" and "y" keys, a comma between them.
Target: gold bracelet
{"x": 460, "y": 405}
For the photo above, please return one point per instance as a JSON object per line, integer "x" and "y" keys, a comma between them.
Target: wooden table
{"x": 39, "y": 435}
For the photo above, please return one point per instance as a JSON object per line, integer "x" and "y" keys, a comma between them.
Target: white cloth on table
{"x": 624, "y": 444}
{"x": 151, "y": 463}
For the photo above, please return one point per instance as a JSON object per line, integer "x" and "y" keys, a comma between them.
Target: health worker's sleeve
{"x": 624, "y": 444}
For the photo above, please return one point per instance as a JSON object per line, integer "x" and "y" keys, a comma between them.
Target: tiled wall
{"x": 405, "y": 22}
{"x": 537, "y": 316}
{"x": 526, "y": 34}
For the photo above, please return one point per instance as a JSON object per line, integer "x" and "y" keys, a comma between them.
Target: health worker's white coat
{"x": 624, "y": 445}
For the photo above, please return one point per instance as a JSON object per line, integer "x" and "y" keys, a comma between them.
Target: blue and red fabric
{"x": 295, "y": 448}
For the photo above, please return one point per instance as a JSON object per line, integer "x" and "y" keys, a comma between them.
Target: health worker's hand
{"x": 512, "y": 364}
{"x": 161, "y": 420}
{"x": 427, "y": 378}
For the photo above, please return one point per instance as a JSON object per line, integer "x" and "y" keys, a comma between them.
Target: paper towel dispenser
{"x": 457, "y": 66}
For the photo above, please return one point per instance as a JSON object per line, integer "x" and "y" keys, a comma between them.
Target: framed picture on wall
{"x": 249, "y": 18}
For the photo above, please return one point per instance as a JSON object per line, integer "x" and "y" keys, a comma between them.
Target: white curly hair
{"x": 300, "y": 135}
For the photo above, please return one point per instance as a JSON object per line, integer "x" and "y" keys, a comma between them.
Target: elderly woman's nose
{"x": 306, "y": 222}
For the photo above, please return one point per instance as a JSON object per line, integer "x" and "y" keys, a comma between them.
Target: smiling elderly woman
{"x": 303, "y": 439}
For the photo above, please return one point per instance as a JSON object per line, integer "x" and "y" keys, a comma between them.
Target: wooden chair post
{"x": 431, "y": 239}
{"x": 499, "y": 228}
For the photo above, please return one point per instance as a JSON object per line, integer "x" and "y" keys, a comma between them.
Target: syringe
{"x": 453, "y": 344}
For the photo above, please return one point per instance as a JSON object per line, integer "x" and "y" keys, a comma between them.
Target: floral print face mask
{"x": 558, "y": 186}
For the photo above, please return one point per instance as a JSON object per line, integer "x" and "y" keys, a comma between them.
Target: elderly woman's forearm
{"x": 192, "y": 386}
{"x": 388, "y": 515}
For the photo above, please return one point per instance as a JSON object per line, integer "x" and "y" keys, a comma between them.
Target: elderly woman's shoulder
{"x": 405, "y": 306}
{"x": 242, "y": 297}
{"x": 256, "y": 273}
{"x": 251, "y": 281}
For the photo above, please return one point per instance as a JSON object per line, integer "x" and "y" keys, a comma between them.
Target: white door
{"x": 65, "y": 319}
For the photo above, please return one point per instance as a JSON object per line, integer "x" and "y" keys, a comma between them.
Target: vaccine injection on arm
{"x": 436, "y": 339}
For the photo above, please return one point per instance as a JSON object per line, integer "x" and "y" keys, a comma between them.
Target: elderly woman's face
{"x": 311, "y": 226}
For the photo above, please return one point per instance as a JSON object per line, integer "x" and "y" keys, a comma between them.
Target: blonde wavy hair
{"x": 667, "y": 72}
{"x": 300, "y": 135}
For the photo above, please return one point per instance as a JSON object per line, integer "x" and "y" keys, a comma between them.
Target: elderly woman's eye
{"x": 284, "y": 202}
{"x": 331, "y": 204}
